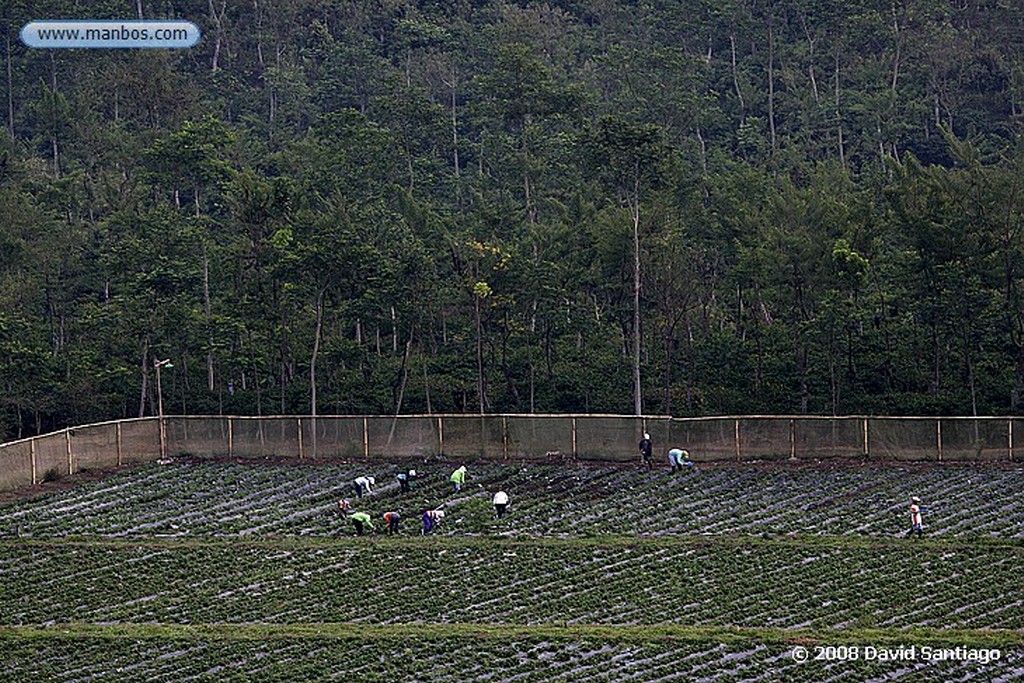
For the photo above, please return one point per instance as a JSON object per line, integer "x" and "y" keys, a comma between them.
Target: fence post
{"x": 67, "y": 440}
{"x": 1009, "y": 438}
{"x": 440, "y": 435}
{"x": 867, "y": 449}
{"x": 366, "y": 437}
{"x": 298, "y": 420}
{"x": 575, "y": 454}
{"x": 120, "y": 459}
{"x": 504, "y": 437}
{"x": 938, "y": 437}
{"x": 32, "y": 453}
{"x": 736, "y": 428}
{"x": 792, "y": 439}
{"x": 231, "y": 437}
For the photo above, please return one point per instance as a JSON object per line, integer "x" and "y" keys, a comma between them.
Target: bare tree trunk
{"x": 771, "y": 84}
{"x": 53, "y": 134}
{"x": 207, "y": 310}
{"x": 839, "y": 120}
{"x": 218, "y": 22}
{"x": 897, "y": 40}
{"x": 259, "y": 33}
{"x": 703, "y": 151}
{"x": 810, "y": 68}
{"x": 481, "y": 384}
{"x": 10, "y": 88}
{"x": 405, "y": 375}
{"x": 312, "y": 363}
{"x": 426, "y": 380}
{"x": 394, "y": 331}
{"x": 455, "y": 126}
{"x": 635, "y": 210}
{"x": 145, "y": 378}
{"x": 735, "y": 76}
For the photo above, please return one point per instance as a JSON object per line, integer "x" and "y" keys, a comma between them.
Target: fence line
{"x": 503, "y": 436}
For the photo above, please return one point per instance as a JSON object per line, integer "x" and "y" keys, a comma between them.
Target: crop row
{"x": 573, "y": 581}
{"x": 226, "y": 499}
{"x": 456, "y": 659}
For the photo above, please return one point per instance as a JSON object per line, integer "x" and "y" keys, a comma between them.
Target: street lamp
{"x": 160, "y": 404}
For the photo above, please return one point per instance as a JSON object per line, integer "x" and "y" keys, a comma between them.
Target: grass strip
{"x": 513, "y": 541}
{"x": 977, "y": 638}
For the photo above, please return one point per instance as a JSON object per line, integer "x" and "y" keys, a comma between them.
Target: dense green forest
{"x": 331, "y": 206}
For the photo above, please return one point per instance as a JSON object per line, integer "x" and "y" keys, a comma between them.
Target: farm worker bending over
{"x": 431, "y": 519}
{"x": 646, "y": 448}
{"x": 916, "y": 526}
{"x": 405, "y": 480}
{"x": 391, "y": 521}
{"x": 360, "y": 520}
{"x": 678, "y": 459}
{"x": 459, "y": 478}
{"x": 500, "y": 503}
{"x": 364, "y": 485}
{"x": 344, "y": 506}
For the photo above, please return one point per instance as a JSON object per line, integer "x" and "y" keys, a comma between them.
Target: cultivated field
{"x": 204, "y": 570}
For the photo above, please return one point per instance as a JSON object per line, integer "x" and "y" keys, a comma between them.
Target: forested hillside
{"x": 386, "y": 206}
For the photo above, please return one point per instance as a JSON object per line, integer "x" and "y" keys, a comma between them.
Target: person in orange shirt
{"x": 391, "y": 520}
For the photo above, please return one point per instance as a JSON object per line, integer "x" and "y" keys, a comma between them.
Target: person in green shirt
{"x": 360, "y": 520}
{"x": 459, "y": 478}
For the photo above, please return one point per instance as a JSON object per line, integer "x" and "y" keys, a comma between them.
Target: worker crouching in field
{"x": 431, "y": 519}
{"x": 916, "y": 523}
{"x": 364, "y": 485}
{"x": 678, "y": 459}
{"x": 361, "y": 520}
{"x": 405, "y": 480}
{"x": 391, "y": 520}
{"x": 500, "y": 502}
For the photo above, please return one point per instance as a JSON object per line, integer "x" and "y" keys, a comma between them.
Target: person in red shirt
{"x": 391, "y": 520}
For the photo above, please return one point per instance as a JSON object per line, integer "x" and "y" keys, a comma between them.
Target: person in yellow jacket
{"x": 459, "y": 478}
{"x": 361, "y": 520}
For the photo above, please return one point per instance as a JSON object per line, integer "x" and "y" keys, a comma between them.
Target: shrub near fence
{"x": 606, "y": 438}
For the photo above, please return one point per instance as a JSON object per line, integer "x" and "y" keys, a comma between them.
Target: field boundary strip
{"x": 1015, "y": 545}
{"x": 432, "y": 631}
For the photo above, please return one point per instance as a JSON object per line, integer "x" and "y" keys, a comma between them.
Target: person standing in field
{"x": 916, "y": 523}
{"x": 364, "y": 485}
{"x": 431, "y": 519}
{"x": 361, "y": 520}
{"x": 500, "y": 504}
{"x": 459, "y": 478}
{"x": 391, "y": 520}
{"x": 646, "y": 449}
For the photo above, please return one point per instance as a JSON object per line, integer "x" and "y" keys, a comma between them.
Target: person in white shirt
{"x": 500, "y": 504}
{"x": 916, "y": 524}
{"x": 364, "y": 485}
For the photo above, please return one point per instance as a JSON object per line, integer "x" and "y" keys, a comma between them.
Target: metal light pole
{"x": 160, "y": 404}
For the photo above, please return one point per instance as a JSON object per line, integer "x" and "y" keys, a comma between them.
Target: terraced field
{"x": 288, "y": 499}
{"x": 229, "y": 571}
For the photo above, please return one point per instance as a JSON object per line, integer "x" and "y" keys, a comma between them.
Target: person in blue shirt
{"x": 678, "y": 459}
